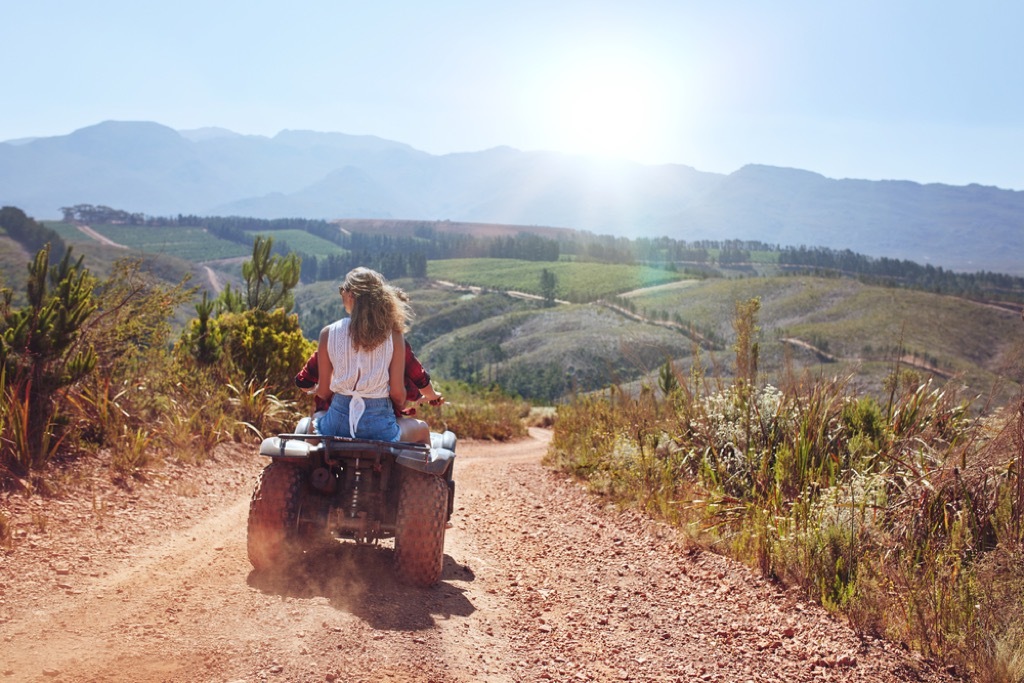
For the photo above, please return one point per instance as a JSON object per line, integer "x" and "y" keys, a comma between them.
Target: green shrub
{"x": 260, "y": 412}
{"x": 41, "y": 356}
{"x": 265, "y": 347}
{"x": 132, "y": 453}
{"x": 476, "y": 413}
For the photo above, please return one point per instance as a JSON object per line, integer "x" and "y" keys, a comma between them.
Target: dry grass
{"x": 476, "y": 414}
{"x": 904, "y": 513}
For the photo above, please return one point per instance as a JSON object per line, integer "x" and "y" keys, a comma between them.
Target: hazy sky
{"x": 929, "y": 91}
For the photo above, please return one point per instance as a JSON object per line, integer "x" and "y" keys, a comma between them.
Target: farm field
{"x": 187, "y": 242}
{"x": 301, "y": 241}
{"x": 575, "y": 280}
{"x": 68, "y": 232}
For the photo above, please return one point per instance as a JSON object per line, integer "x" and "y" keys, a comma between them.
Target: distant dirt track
{"x": 98, "y": 237}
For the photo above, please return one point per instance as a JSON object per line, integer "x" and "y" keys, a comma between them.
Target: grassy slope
{"x": 100, "y": 260}
{"x": 189, "y": 243}
{"x": 68, "y": 232}
{"x": 591, "y": 344}
{"x": 301, "y": 241}
{"x": 13, "y": 268}
{"x": 575, "y": 281}
{"x": 859, "y": 324}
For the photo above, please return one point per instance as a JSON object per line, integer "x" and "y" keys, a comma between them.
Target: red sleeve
{"x": 308, "y": 375}
{"x": 414, "y": 371}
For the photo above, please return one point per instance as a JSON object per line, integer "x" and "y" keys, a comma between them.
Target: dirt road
{"x": 85, "y": 229}
{"x": 541, "y": 582}
{"x": 215, "y": 282}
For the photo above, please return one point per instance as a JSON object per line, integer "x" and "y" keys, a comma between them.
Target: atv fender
{"x": 434, "y": 461}
{"x": 287, "y": 449}
{"x": 437, "y": 461}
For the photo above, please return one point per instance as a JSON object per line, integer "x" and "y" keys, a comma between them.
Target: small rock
{"x": 846, "y": 660}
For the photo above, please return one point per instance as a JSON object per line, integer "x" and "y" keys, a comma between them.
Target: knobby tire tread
{"x": 273, "y": 514}
{"x": 419, "y": 536}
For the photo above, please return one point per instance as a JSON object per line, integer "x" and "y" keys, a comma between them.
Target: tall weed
{"x": 23, "y": 452}
{"x": 194, "y": 418}
{"x": 888, "y": 514}
{"x": 132, "y": 453}
{"x": 258, "y": 411}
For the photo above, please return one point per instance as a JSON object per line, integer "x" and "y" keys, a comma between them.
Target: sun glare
{"x": 606, "y": 108}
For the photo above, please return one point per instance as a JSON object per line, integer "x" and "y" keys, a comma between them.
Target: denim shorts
{"x": 377, "y": 423}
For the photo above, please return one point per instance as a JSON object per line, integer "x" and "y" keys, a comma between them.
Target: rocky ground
{"x": 542, "y": 582}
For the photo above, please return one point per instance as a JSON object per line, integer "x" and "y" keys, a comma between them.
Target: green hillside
{"x": 546, "y": 353}
{"x": 468, "y": 329}
{"x": 186, "y": 242}
{"x": 828, "y": 326}
{"x": 302, "y": 241}
{"x": 68, "y": 232}
{"x": 576, "y": 281}
{"x": 862, "y": 327}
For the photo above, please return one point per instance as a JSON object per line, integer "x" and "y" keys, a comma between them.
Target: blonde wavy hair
{"x": 378, "y": 309}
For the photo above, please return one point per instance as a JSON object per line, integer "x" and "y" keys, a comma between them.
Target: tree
{"x": 40, "y": 354}
{"x": 29, "y": 233}
{"x": 203, "y": 340}
{"x": 265, "y": 348}
{"x": 667, "y": 380}
{"x": 746, "y": 346}
{"x": 230, "y": 301}
{"x": 548, "y": 285}
{"x": 270, "y": 278}
{"x": 254, "y": 337}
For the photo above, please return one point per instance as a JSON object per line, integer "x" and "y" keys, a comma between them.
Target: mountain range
{"x": 146, "y": 167}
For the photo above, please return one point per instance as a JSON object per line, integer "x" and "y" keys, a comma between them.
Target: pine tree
{"x": 40, "y": 354}
{"x": 270, "y": 278}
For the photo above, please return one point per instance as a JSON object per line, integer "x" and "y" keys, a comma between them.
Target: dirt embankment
{"x": 541, "y": 582}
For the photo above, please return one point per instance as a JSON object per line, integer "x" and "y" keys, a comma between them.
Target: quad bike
{"x": 318, "y": 488}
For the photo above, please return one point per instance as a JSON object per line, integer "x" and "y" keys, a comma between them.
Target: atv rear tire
{"x": 273, "y": 515}
{"x": 420, "y": 527}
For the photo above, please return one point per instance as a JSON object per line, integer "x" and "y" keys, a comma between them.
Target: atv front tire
{"x": 420, "y": 527}
{"x": 273, "y": 515}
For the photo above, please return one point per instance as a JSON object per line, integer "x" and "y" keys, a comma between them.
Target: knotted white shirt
{"x": 360, "y": 374}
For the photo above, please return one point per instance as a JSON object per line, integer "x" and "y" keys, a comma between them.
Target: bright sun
{"x": 608, "y": 108}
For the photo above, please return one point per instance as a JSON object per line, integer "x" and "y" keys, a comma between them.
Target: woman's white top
{"x": 360, "y": 374}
